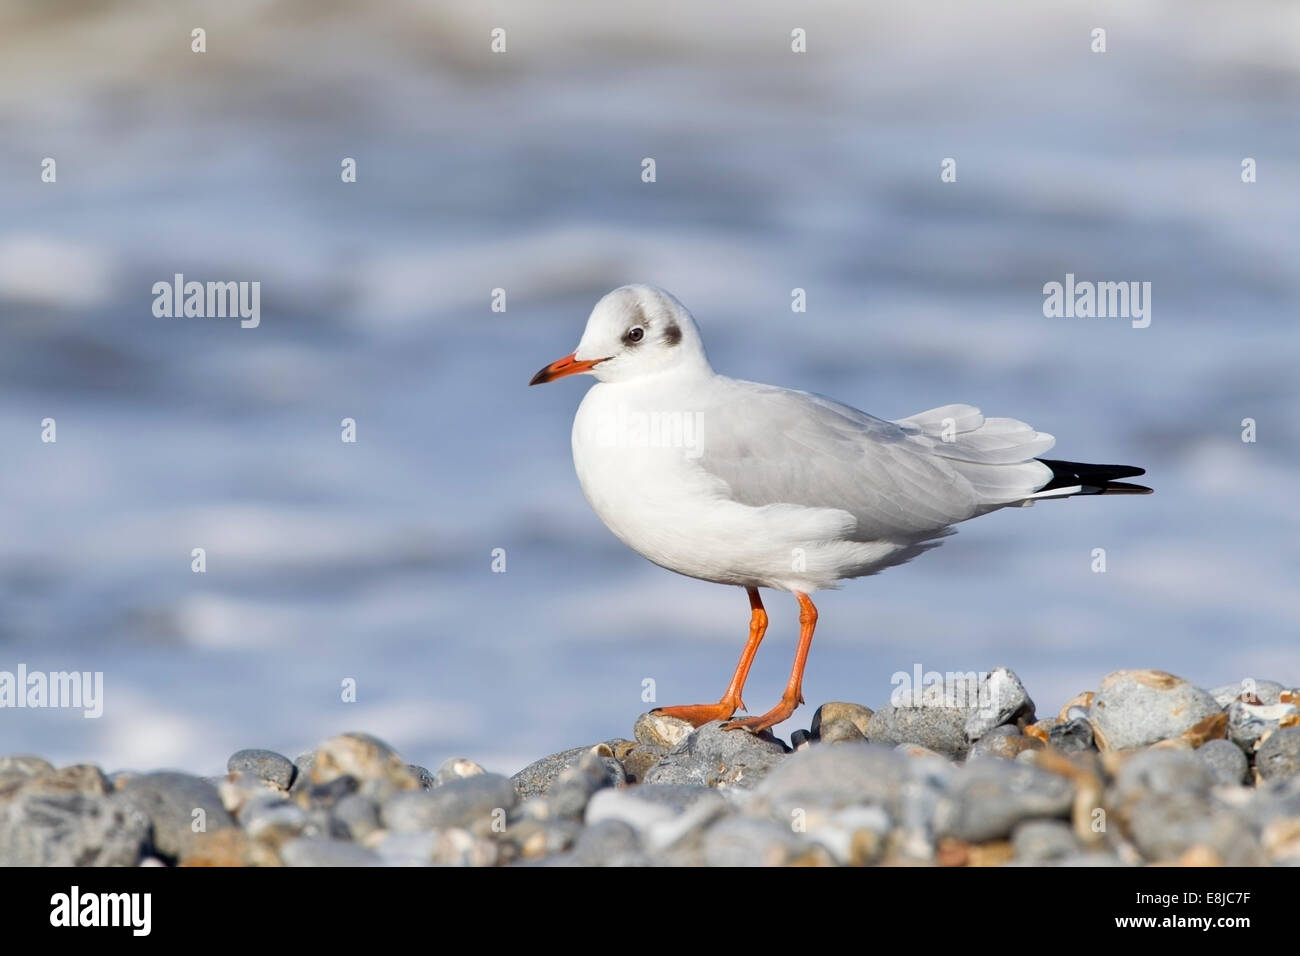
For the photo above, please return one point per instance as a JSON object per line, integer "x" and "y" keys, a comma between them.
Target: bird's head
{"x": 634, "y": 331}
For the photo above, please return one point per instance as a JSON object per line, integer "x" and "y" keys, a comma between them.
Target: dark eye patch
{"x": 672, "y": 334}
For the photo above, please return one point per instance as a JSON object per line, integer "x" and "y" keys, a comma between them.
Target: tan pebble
{"x": 1041, "y": 729}
{"x": 1173, "y": 743}
{"x": 991, "y": 854}
{"x": 1199, "y": 856}
{"x": 856, "y": 714}
{"x": 1214, "y": 727}
{"x": 917, "y": 751}
{"x": 1083, "y": 700}
{"x": 864, "y": 847}
{"x": 228, "y": 846}
{"x": 952, "y": 852}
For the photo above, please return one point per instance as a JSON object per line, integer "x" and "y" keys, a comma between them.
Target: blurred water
{"x": 372, "y": 561}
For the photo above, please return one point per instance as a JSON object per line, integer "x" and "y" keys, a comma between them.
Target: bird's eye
{"x": 635, "y": 334}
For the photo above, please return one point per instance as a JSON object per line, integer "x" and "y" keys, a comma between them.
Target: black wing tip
{"x": 1095, "y": 479}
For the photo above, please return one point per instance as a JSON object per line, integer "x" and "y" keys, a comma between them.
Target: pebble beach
{"x": 1146, "y": 768}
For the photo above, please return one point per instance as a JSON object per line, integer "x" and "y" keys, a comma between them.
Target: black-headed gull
{"x": 765, "y": 487}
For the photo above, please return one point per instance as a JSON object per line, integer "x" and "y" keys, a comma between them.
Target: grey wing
{"x": 898, "y": 479}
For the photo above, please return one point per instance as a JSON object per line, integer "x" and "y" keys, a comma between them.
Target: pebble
{"x": 1005, "y": 742}
{"x": 840, "y": 731}
{"x": 25, "y": 765}
{"x": 1001, "y": 700}
{"x": 176, "y": 803}
{"x": 1072, "y": 736}
{"x": 357, "y": 815}
{"x": 1166, "y": 827}
{"x": 1040, "y": 841}
{"x": 594, "y": 771}
{"x": 423, "y": 778}
{"x": 1255, "y": 692}
{"x": 812, "y": 783}
{"x": 237, "y": 789}
{"x": 1134, "y": 708}
{"x": 267, "y": 765}
{"x": 714, "y": 757}
{"x": 609, "y": 843}
{"x": 838, "y": 710}
{"x": 657, "y": 730}
{"x": 1248, "y": 724}
{"x": 638, "y": 759}
{"x": 63, "y": 827}
{"x": 1279, "y": 754}
{"x": 1225, "y": 761}
{"x": 537, "y": 778}
{"x": 477, "y": 803}
{"x": 941, "y": 729}
{"x": 370, "y": 761}
{"x": 739, "y": 841}
{"x": 454, "y": 768}
{"x": 326, "y": 852}
{"x": 987, "y": 798}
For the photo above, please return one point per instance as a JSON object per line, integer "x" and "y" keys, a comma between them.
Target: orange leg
{"x": 793, "y": 695}
{"x": 699, "y": 714}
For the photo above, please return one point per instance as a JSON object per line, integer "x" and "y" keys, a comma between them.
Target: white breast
{"x": 637, "y": 462}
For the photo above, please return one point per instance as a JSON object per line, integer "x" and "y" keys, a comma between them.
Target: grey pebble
{"x": 1249, "y": 723}
{"x": 1041, "y": 840}
{"x": 327, "y": 852}
{"x": 536, "y": 779}
{"x": 474, "y": 803}
{"x": 572, "y": 790}
{"x": 987, "y": 798}
{"x": 1161, "y": 773}
{"x": 358, "y": 816}
{"x": 1225, "y": 760}
{"x": 1134, "y": 708}
{"x": 1166, "y": 826}
{"x": 422, "y": 776}
{"x": 1073, "y": 736}
{"x": 68, "y": 828}
{"x": 1265, "y": 692}
{"x": 1279, "y": 754}
{"x": 454, "y": 768}
{"x": 609, "y": 843}
{"x": 1001, "y": 699}
{"x": 938, "y": 728}
{"x": 819, "y": 780}
{"x": 265, "y": 765}
{"x": 171, "y": 801}
{"x": 715, "y": 757}
{"x": 748, "y": 842}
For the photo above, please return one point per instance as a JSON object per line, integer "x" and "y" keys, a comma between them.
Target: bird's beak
{"x": 569, "y": 365}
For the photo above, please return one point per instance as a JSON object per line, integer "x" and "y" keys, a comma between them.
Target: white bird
{"x": 764, "y": 487}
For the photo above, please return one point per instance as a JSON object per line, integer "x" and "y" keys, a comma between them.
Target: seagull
{"x": 764, "y": 487}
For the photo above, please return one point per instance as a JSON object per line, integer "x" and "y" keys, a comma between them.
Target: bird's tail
{"x": 1076, "y": 478}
